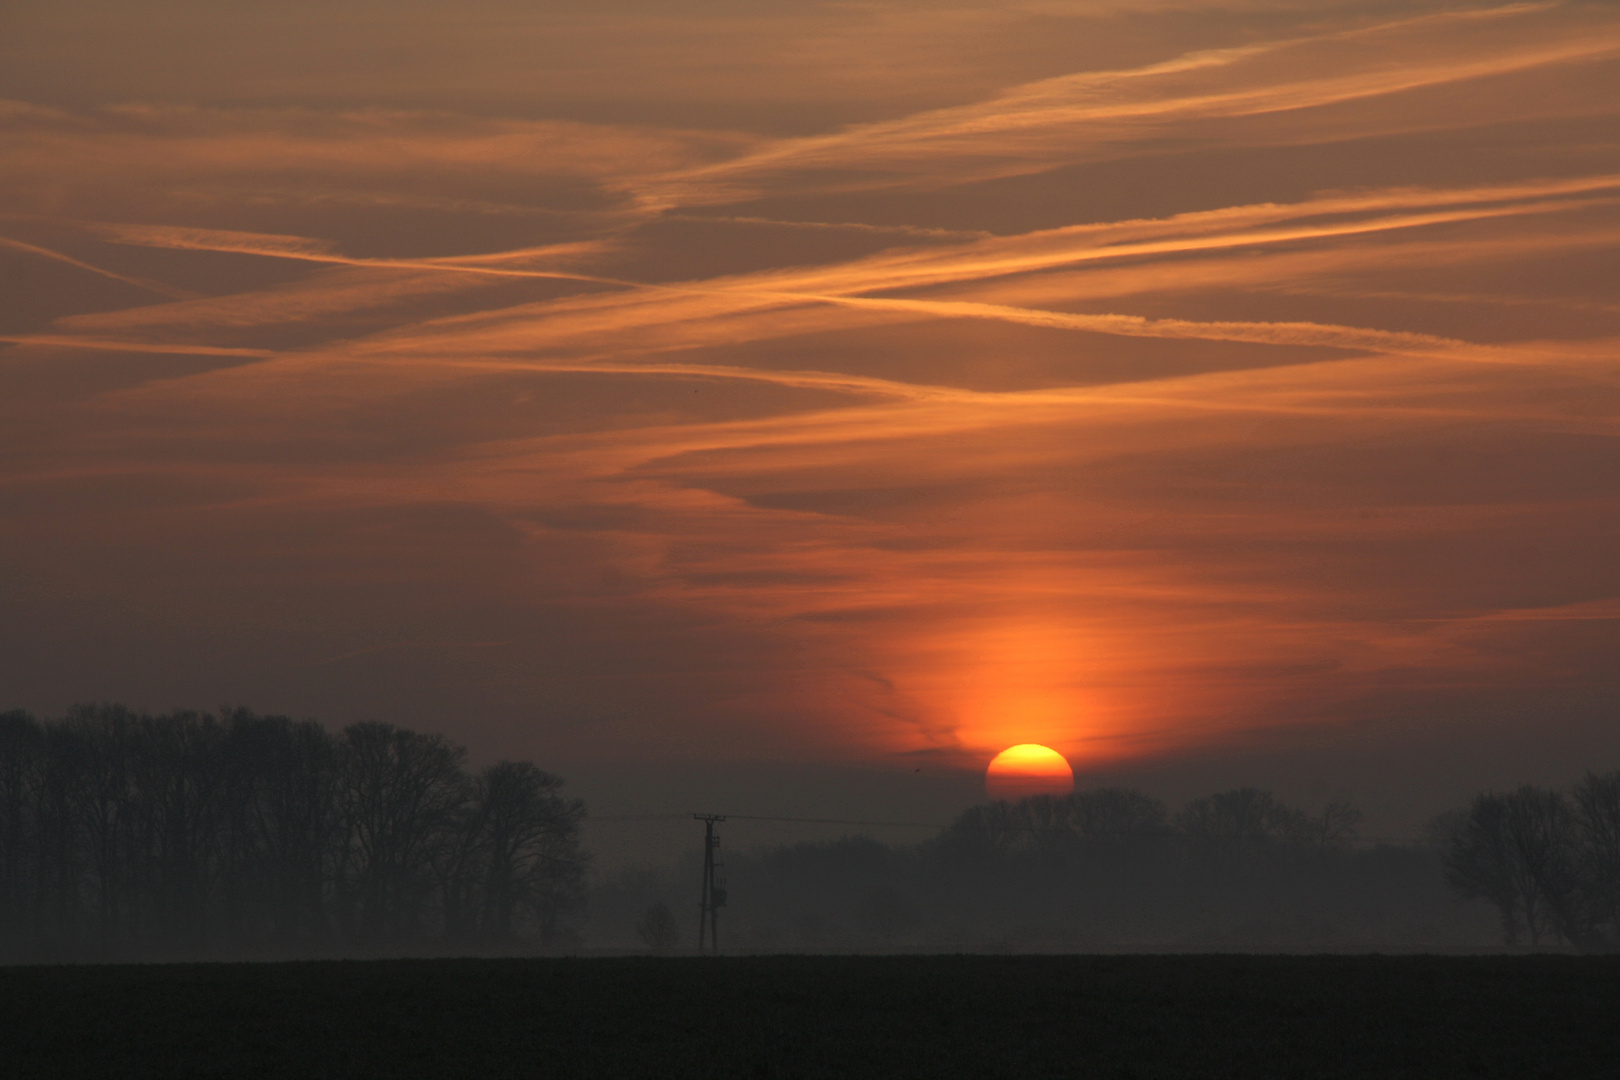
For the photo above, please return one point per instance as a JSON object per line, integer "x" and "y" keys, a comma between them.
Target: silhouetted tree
{"x": 1246, "y": 814}
{"x": 1543, "y": 830}
{"x": 994, "y": 826}
{"x": 125, "y": 834}
{"x": 1481, "y": 863}
{"x": 398, "y": 790}
{"x": 656, "y": 928}
{"x": 1335, "y": 827}
{"x": 60, "y": 849}
{"x": 1518, "y": 850}
{"x": 1096, "y": 869}
{"x": 533, "y": 857}
{"x": 1597, "y": 817}
{"x": 1104, "y": 814}
{"x": 21, "y": 759}
{"x": 1118, "y": 814}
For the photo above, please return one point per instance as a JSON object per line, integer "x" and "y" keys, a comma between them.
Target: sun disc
{"x": 1028, "y": 769}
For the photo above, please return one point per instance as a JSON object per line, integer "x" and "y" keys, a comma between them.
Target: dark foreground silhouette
{"x": 128, "y": 836}
{"x": 822, "y": 1016}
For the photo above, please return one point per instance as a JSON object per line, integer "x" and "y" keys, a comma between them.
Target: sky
{"x": 781, "y": 407}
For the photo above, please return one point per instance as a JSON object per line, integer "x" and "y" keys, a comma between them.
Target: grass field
{"x": 822, "y": 1016}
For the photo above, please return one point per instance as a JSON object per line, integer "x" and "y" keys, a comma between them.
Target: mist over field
{"x": 980, "y": 887}
{"x": 187, "y": 836}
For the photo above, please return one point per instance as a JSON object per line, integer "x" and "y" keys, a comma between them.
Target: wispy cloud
{"x": 1078, "y": 117}
{"x": 56, "y": 256}
{"x": 742, "y": 436}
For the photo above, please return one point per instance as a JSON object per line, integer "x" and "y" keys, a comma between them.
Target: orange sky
{"x": 878, "y": 385}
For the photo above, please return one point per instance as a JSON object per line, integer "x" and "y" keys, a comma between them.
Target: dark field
{"x": 824, "y": 1016}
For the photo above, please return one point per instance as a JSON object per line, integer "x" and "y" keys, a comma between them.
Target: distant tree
{"x": 186, "y": 834}
{"x": 399, "y": 790}
{"x": 656, "y": 928}
{"x": 1245, "y": 814}
{"x": 1481, "y": 864}
{"x": 1109, "y": 814}
{"x": 1036, "y": 818}
{"x": 554, "y": 884}
{"x": 532, "y": 843}
{"x": 1443, "y": 828}
{"x": 1334, "y": 827}
{"x": 834, "y": 881}
{"x": 457, "y": 855}
{"x": 193, "y": 808}
{"x": 1543, "y": 828}
{"x": 1117, "y": 813}
{"x": 294, "y": 817}
{"x": 996, "y": 825}
{"x": 21, "y": 760}
{"x": 104, "y": 807}
{"x": 60, "y": 839}
{"x": 1519, "y": 851}
{"x": 1597, "y": 818}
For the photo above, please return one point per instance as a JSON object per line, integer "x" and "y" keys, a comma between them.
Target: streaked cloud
{"x": 726, "y": 441}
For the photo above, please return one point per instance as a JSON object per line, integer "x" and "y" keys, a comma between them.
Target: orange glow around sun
{"x": 1028, "y": 769}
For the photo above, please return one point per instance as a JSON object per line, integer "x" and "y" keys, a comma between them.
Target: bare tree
{"x": 1243, "y": 815}
{"x": 104, "y": 808}
{"x": 1518, "y": 850}
{"x": 1334, "y": 827}
{"x": 1111, "y": 814}
{"x": 1543, "y": 830}
{"x": 991, "y": 826}
{"x": 456, "y": 856}
{"x": 1597, "y": 817}
{"x": 532, "y": 840}
{"x": 398, "y": 790}
{"x": 656, "y": 928}
{"x": 553, "y": 889}
{"x": 1481, "y": 864}
{"x": 21, "y": 762}
{"x": 1118, "y": 814}
{"x": 126, "y": 834}
{"x": 59, "y": 834}
{"x": 280, "y": 790}
{"x": 177, "y": 798}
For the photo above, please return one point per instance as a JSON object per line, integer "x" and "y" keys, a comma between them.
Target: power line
{"x": 1031, "y": 829}
{"x": 617, "y": 819}
{"x": 844, "y": 821}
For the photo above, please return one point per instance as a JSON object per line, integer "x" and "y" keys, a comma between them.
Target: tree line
{"x": 1104, "y": 869}
{"x": 1243, "y": 816}
{"x": 128, "y": 835}
{"x": 125, "y": 835}
{"x": 1549, "y": 862}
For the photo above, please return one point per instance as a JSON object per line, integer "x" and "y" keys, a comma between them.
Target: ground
{"x": 821, "y": 1016}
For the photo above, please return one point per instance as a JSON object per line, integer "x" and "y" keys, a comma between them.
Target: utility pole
{"x": 714, "y": 888}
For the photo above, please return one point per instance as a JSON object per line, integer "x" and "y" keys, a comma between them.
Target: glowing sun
{"x": 1028, "y": 769}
